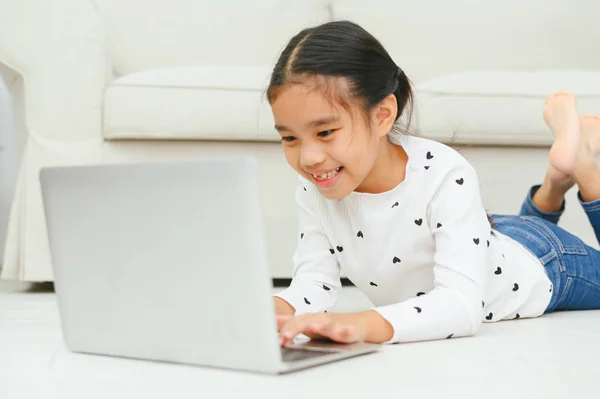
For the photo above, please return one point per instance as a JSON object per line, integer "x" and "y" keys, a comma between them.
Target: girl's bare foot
{"x": 589, "y": 126}
{"x": 549, "y": 198}
{"x": 570, "y": 148}
{"x": 587, "y": 175}
{"x": 576, "y": 144}
{"x": 590, "y": 129}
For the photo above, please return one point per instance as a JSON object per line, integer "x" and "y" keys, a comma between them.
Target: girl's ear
{"x": 384, "y": 115}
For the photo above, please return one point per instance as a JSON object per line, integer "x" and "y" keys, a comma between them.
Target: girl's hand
{"x": 342, "y": 328}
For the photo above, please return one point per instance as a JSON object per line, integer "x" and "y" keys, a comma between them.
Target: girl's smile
{"x": 327, "y": 179}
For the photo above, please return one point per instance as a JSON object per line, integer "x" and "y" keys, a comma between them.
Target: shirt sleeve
{"x": 316, "y": 275}
{"x": 461, "y": 232}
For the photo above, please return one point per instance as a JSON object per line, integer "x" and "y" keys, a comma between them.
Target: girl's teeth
{"x": 327, "y": 176}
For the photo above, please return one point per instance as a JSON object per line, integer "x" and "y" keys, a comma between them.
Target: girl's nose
{"x": 311, "y": 156}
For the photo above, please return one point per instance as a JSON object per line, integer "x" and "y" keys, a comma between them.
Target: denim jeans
{"x": 572, "y": 266}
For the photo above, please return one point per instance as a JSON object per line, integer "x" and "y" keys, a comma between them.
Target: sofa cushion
{"x": 198, "y": 103}
{"x": 228, "y": 103}
{"x": 497, "y": 107}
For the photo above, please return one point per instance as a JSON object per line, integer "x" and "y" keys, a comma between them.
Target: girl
{"x": 403, "y": 215}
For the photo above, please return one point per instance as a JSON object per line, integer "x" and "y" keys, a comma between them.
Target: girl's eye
{"x": 289, "y": 139}
{"x": 325, "y": 133}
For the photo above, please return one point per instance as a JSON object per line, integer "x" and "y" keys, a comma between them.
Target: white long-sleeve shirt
{"x": 423, "y": 252}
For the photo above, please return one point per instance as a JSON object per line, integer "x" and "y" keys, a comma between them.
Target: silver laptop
{"x": 167, "y": 262}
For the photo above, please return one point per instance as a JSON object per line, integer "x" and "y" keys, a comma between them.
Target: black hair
{"x": 343, "y": 49}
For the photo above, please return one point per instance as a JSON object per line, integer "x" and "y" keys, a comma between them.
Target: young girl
{"x": 403, "y": 215}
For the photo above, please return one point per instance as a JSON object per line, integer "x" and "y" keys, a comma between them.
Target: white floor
{"x": 549, "y": 357}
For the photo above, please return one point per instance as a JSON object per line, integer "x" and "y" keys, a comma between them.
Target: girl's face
{"x": 331, "y": 146}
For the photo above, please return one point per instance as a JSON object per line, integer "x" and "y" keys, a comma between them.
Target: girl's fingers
{"x": 301, "y": 326}
{"x": 282, "y": 319}
{"x": 346, "y": 334}
{"x": 341, "y": 332}
{"x": 314, "y": 328}
{"x": 327, "y": 330}
{"x": 284, "y": 340}
{"x": 290, "y": 330}
{"x": 335, "y": 332}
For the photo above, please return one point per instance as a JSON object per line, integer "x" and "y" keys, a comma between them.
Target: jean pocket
{"x": 529, "y": 236}
{"x": 563, "y": 241}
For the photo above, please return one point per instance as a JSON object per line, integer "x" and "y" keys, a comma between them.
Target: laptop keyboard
{"x": 294, "y": 355}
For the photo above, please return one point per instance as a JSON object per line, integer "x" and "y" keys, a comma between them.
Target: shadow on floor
{"x": 45, "y": 287}
{"x": 10, "y": 286}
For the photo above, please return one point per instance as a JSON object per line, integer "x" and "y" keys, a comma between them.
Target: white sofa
{"x": 106, "y": 81}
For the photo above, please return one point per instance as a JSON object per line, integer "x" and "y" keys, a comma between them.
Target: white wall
{"x": 9, "y": 160}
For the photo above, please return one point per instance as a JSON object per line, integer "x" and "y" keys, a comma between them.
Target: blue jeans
{"x": 572, "y": 266}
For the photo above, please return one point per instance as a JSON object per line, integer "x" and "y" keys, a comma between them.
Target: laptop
{"x": 167, "y": 262}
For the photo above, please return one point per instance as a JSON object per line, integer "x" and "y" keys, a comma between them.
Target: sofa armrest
{"x": 8, "y": 75}
{"x": 58, "y": 49}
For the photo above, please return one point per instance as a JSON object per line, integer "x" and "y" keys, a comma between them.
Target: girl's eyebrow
{"x": 316, "y": 123}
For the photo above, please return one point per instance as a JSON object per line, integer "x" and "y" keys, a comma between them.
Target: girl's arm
{"x": 283, "y": 308}
{"x": 316, "y": 275}
{"x": 462, "y": 234}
